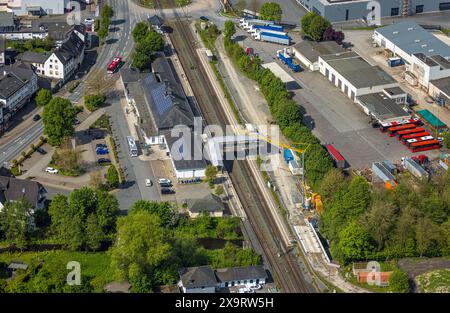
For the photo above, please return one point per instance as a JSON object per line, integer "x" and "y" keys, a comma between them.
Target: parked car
{"x": 164, "y": 181}
{"x": 36, "y": 118}
{"x": 148, "y": 182}
{"x": 97, "y": 135}
{"x": 76, "y": 121}
{"x": 101, "y": 146}
{"x": 51, "y": 170}
{"x": 103, "y": 161}
{"x": 166, "y": 190}
{"x": 101, "y": 151}
{"x": 204, "y": 19}
{"x": 41, "y": 151}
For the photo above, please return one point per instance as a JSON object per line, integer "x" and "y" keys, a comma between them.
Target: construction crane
{"x": 283, "y": 145}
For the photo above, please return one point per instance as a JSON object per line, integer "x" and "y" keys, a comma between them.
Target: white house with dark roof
{"x": 62, "y": 63}
{"x": 18, "y": 83}
{"x": 203, "y": 279}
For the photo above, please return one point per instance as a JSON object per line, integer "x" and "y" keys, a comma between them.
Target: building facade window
{"x": 419, "y": 8}
{"x": 395, "y": 11}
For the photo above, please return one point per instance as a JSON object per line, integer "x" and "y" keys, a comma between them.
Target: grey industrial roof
{"x": 185, "y": 154}
{"x": 382, "y": 107}
{"x": 360, "y": 73}
{"x": 156, "y": 20}
{"x": 197, "y": 277}
{"x": 241, "y": 273}
{"x": 412, "y": 38}
{"x": 210, "y": 203}
{"x": 338, "y": 56}
{"x": 311, "y": 50}
{"x": 395, "y": 91}
{"x": 443, "y": 85}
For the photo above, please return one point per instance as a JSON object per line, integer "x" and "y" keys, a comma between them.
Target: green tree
{"x": 398, "y": 282}
{"x": 58, "y": 117}
{"x": 380, "y": 221}
{"x": 43, "y": 97}
{"x": 140, "y": 31}
{"x": 429, "y": 238}
{"x": 16, "y": 222}
{"x": 219, "y": 190}
{"x": 211, "y": 173}
{"x": 288, "y": 113}
{"x": 94, "y": 233}
{"x": 306, "y": 20}
{"x": 93, "y": 102}
{"x": 447, "y": 139}
{"x": 164, "y": 210}
{"x": 106, "y": 11}
{"x": 153, "y": 41}
{"x": 357, "y": 198}
{"x": 354, "y": 243}
{"x": 270, "y": 11}
{"x": 229, "y": 29}
{"x": 332, "y": 182}
{"x": 314, "y": 26}
{"x": 142, "y": 247}
{"x": 112, "y": 177}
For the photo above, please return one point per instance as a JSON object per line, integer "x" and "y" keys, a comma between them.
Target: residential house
{"x": 61, "y": 64}
{"x": 211, "y": 204}
{"x": 2, "y": 51}
{"x": 18, "y": 84}
{"x": 203, "y": 279}
{"x": 14, "y": 189}
{"x": 200, "y": 279}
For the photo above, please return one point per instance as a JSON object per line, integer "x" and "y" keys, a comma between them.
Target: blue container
{"x": 288, "y": 156}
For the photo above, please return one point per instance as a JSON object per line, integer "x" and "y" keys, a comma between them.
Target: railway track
{"x": 283, "y": 262}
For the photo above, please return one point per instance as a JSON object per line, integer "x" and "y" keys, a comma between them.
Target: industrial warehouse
{"x": 347, "y": 10}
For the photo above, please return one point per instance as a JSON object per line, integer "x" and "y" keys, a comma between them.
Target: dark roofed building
{"x": 382, "y": 108}
{"x": 156, "y": 21}
{"x": 200, "y": 279}
{"x": 211, "y": 204}
{"x": 440, "y": 90}
{"x": 244, "y": 275}
{"x": 8, "y": 22}
{"x": 308, "y": 52}
{"x": 159, "y": 103}
{"x": 34, "y": 57}
{"x": 203, "y": 279}
{"x": 14, "y": 189}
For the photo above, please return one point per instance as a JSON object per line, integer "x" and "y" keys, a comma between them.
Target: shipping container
{"x": 271, "y": 37}
{"x": 414, "y": 168}
{"x": 337, "y": 157}
{"x": 395, "y": 61}
{"x": 382, "y": 172}
{"x": 288, "y": 155}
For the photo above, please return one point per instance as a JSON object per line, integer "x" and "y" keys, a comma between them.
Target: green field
{"x": 95, "y": 270}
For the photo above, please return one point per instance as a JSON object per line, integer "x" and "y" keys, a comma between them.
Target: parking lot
{"x": 332, "y": 116}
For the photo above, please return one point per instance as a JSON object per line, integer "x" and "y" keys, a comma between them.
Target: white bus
{"x": 132, "y": 146}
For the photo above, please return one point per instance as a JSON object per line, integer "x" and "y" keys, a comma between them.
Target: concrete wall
{"x": 358, "y": 9}
{"x": 199, "y": 290}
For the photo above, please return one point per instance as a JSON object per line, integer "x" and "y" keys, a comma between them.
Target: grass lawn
{"x": 95, "y": 265}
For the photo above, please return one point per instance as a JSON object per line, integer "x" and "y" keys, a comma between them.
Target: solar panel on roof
{"x": 162, "y": 102}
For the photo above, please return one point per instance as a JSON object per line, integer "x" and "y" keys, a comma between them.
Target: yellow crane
{"x": 283, "y": 145}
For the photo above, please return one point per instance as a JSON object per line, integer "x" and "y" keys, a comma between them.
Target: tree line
{"x": 147, "y": 247}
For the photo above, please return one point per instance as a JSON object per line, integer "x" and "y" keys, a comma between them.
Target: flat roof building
{"x": 382, "y": 108}
{"x": 353, "y": 75}
{"x": 347, "y": 10}
{"x": 308, "y": 52}
{"x": 440, "y": 90}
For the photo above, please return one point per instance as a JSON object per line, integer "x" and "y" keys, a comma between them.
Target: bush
{"x": 112, "y": 177}
{"x": 93, "y": 102}
{"x": 398, "y": 282}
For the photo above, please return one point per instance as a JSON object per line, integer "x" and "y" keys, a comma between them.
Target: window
{"x": 51, "y": 72}
{"x": 51, "y": 66}
{"x": 444, "y": 6}
{"x": 56, "y": 67}
{"x": 395, "y": 11}
{"x": 419, "y": 8}
{"x": 346, "y": 14}
{"x": 56, "y": 73}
